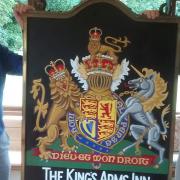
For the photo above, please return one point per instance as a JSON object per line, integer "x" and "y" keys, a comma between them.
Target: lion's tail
{"x": 37, "y": 127}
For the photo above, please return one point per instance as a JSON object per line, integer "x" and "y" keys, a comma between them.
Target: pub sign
{"x": 99, "y": 91}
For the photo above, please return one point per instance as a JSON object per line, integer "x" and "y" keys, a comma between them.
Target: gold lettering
{"x": 132, "y": 160}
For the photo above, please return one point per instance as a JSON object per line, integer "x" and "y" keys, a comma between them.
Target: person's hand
{"x": 19, "y": 11}
{"x": 151, "y": 14}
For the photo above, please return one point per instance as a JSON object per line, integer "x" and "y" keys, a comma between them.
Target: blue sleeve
{"x": 12, "y": 63}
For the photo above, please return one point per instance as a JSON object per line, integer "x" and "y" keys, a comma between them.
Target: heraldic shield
{"x": 98, "y": 100}
{"x": 100, "y": 118}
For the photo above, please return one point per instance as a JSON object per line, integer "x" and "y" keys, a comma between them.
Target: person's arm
{"x": 12, "y": 63}
{"x": 19, "y": 11}
{"x": 177, "y": 168}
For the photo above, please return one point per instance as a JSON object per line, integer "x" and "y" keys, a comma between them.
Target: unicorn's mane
{"x": 160, "y": 91}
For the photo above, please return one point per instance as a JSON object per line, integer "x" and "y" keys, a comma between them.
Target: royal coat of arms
{"x": 91, "y": 112}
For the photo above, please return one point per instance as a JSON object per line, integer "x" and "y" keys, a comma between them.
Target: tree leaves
{"x": 9, "y": 30}
{"x": 61, "y": 5}
{"x": 138, "y": 6}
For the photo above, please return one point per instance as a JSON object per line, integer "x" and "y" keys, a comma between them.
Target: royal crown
{"x": 101, "y": 64}
{"x": 95, "y": 33}
{"x": 55, "y": 69}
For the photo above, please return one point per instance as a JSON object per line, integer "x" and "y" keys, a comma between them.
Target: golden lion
{"x": 65, "y": 96}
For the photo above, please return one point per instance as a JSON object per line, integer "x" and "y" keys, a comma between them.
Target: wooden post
{"x": 39, "y": 5}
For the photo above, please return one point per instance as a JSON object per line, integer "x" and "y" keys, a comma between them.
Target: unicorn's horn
{"x": 138, "y": 72}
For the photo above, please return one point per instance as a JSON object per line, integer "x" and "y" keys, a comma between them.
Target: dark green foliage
{"x": 10, "y": 33}
{"x": 61, "y": 5}
{"x": 138, "y": 6}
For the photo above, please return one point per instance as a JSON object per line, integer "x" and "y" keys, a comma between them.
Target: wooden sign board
{"x": 99, "y": 94}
